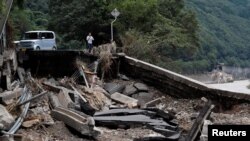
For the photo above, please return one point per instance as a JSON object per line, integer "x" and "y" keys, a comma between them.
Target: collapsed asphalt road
{"x": 83, "y": 107}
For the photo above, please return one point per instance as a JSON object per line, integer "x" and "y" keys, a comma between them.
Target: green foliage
{"x": 1, "y": 7}
{"x": 29, "y": 15}
{"x": 224, "y": 31}
{"x": 75, "y": 19}
{"x": 145, "y": 28}
{"x": 21, "y": 21}
{"x": 138, "y": 45}
{"x": 136, "y": 14}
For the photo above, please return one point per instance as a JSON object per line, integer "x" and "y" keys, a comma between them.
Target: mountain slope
{"x": 224, "y": 30}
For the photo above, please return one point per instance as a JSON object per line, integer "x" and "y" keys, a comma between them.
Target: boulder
{"x": 6, "y": 119}
{"x": 141, "y": 87}
{"x": 113, "y": 87}
{"x": 143, "y": 98}
{"x": 129, "y": 90}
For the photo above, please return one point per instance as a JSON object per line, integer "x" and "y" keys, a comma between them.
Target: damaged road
{"x": 81, "y": 106}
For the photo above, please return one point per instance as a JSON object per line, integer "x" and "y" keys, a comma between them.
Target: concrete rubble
{"x": 82, "y": 106}
{"x": 6, "y": 119}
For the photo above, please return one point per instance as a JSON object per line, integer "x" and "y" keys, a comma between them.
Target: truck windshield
{"x": 30, "y": 36}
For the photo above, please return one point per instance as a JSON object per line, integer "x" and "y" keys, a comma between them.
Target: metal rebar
{"x": 34, "y": 97}
{"x": 26, "y": 95}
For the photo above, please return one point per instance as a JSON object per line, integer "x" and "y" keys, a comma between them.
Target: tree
{"x": 74, "y": 19}
{"x": 158, "y": 27}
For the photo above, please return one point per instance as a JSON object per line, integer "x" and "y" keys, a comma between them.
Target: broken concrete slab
{"x": 141, "y": 87}
{"x": 54, "y": 101}
{"x": 163, "y": 114}
{"x": 65, "y": 99}
{"x": 124, "y": 112}
{"x": 113, "y": 87}
{"x": 6, "y": 119}
{"x": 170, "y": 134}
{"x": 86, "y": 108}
{"x": 157, "y": 124}
{"x": 128, "y": 120}
{"x": 8, "y": 95}
{"x": 81, "y": 124}
{"x": 129, "y": 90}
{"x": 124, "y": 99}
{"x": 143, "y": 98}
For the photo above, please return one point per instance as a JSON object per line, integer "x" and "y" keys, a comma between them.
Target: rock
{"x": 113, "y": 87}
{"x": 100, "y": 89}
{"x": 6, "y": 138}
{"x": 204, "y": 132}
{"x": 123, "y": 77}
{"x": 33, "y": 136}
{"x": 143, "y": 98}
{"x": 129, "y": 90}
{"x": 30, "y": 123}
{"x": 141, "y": 87}
{"x": 6, "y": 119}
{"x": 194, "y": 116}
{"x": 53, "y": 81}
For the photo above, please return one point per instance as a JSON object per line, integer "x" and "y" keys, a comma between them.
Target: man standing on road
{"x": 90, "y": 40}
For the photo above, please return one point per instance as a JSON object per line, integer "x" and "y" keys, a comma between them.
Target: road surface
{"x": 236, "y": 86}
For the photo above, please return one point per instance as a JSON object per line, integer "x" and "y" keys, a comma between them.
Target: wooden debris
{"x": 196, "y": 128}
{"x": 51, "y": 87}
{"x": 153, "y": 102}
{"x": 78, "y": 93}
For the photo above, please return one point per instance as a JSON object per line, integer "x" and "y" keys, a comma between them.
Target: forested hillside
{"x": 188, "y": 36}
{"x": 224, "y": 30}
{"x": 29, "y": 15}
{"x": 157, "y": 31}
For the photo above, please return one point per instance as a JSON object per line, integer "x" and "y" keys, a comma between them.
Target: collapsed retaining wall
{"x": 54, "y": 63}
{"x": 61, "y": 63}
{"x": 175, "y": 84}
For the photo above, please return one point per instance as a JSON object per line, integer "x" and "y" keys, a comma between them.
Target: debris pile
{"x": 84, "y": 107}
